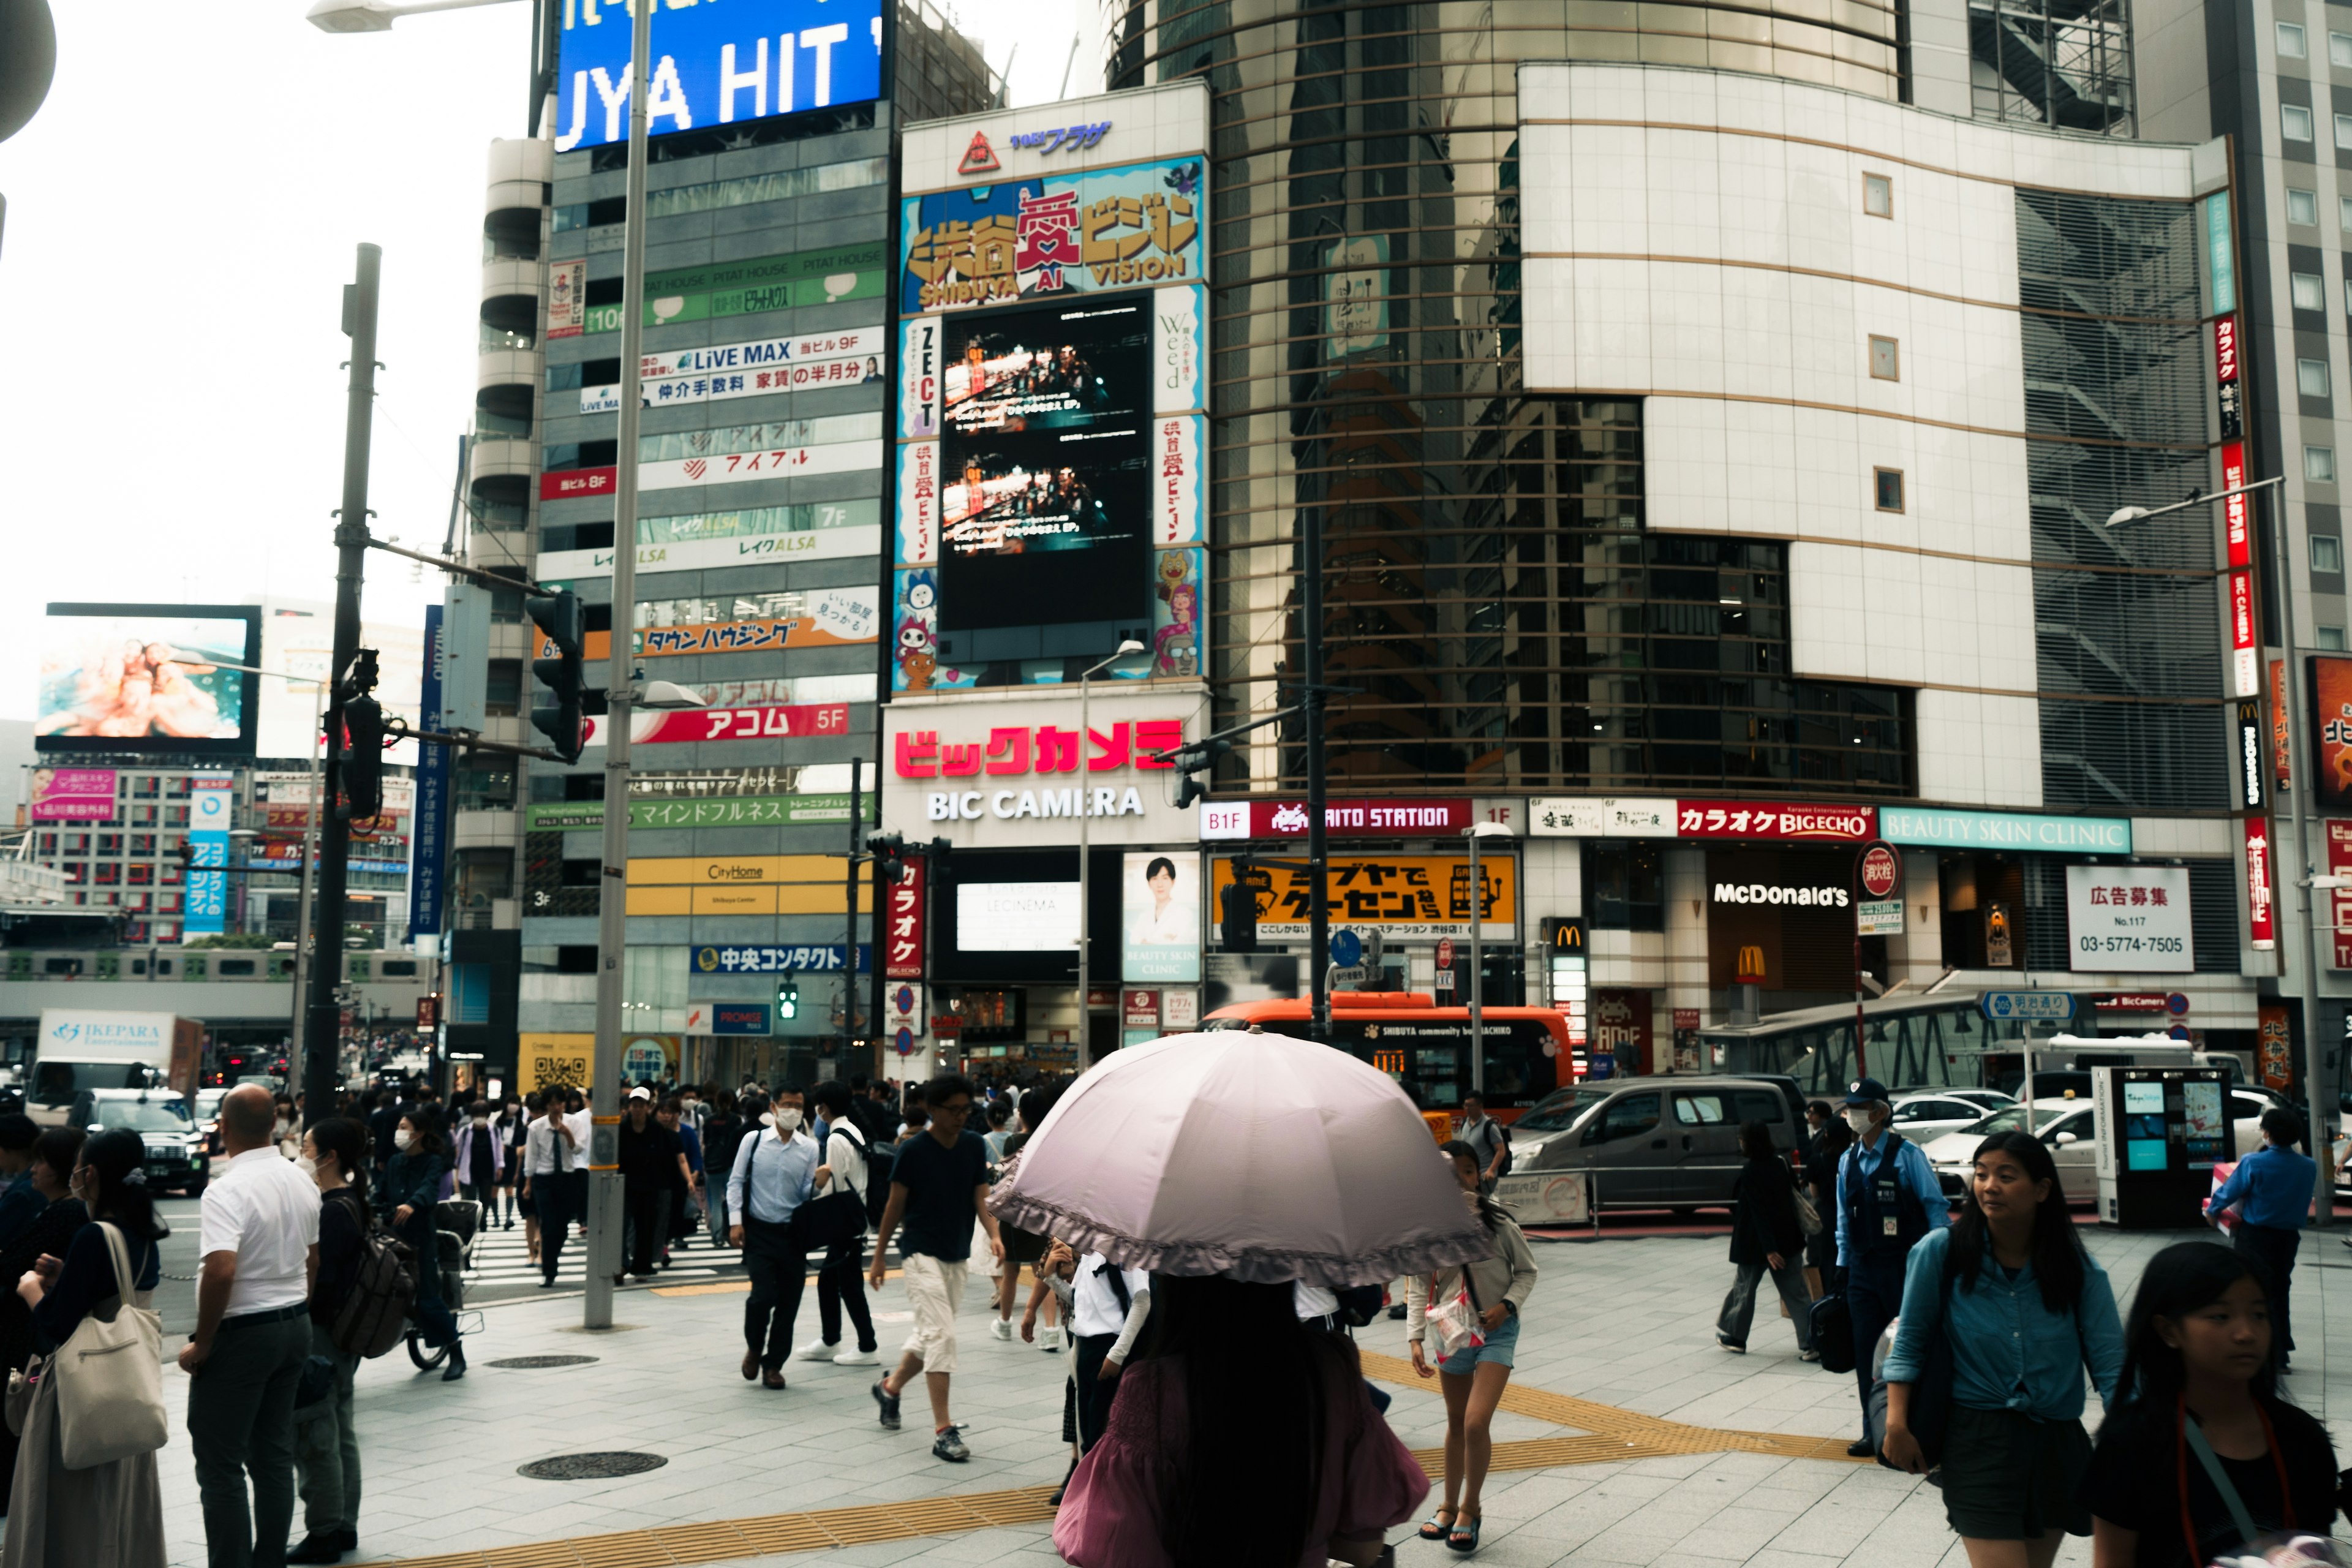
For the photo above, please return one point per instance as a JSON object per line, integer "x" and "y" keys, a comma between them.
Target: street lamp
{"x": 377, "y": 15}
{"x": 1127, "y": 649}
{"x": 1473, "y": 833}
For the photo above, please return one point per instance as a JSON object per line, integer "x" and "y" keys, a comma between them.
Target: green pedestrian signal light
{"x": 788, "y": 999}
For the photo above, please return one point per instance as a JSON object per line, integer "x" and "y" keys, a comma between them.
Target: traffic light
{"x": 560, "y": 620}
{"x": 187, "y": 854}
{"x": 788, "y": 999}
{"x": 1196, "y": 760}
{"x": 363, "y": 758}
{"x": 890, "y": 852}
{"x": 1238, "y": 907}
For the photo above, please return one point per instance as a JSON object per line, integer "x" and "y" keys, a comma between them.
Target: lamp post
{"x": 1127, "y": 649}
{"x": 1473, "y": 833}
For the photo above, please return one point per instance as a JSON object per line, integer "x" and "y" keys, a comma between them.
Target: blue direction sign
{"x": 2039, "y": 1005}
{"x": 1347, "y": 947}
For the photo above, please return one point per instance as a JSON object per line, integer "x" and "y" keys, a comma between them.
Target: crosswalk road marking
{"x": 503, "y": 1258}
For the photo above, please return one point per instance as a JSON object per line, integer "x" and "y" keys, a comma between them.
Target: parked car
{"x": 1929, "y": 1114}
{"x": 1991, "y": 1098}
{"x": 2065, "y": 1123}
{"x": 1657, "y": 1142}
{"x": 176, "y": 1157}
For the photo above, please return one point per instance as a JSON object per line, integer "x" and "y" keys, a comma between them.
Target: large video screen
{"x": 148, "y": 677}
{"x": 1017, "y": 917}
{"x": 714, "y": 66}
{"x": 1045, "y": 454}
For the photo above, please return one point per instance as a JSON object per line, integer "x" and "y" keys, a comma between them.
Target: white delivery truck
{"x": 80, "y": 1049}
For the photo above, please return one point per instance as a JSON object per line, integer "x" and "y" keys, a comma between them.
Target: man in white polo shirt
{"x": 260, "y": 1250}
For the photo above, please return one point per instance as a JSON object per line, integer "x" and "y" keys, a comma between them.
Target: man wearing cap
{"x": 652, "y": 1161}
{"x": 1887, "y": 1198}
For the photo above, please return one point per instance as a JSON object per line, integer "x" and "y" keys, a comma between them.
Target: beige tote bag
{"x": 110, "y": 1378}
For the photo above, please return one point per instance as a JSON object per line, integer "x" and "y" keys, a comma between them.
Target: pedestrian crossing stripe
{"x": 502, "y": 1256}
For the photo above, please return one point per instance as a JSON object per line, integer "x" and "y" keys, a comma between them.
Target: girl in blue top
{"x": 2024, "y": 1310}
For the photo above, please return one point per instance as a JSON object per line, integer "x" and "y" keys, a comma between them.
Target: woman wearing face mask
{"x": 479, "y": 1160}
{"x": 326, "y": 1448}
{"x": 1473, "y": 1377}
{"x": 2198, "y": 1369}
{"x": 109, "y": 1515}
{"x": 54, "y": 1155}
{"x": 412, "y": 1185}
{"x": 2024, "y": 1310}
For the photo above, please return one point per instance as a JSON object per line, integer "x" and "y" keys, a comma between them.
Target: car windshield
{"x": 1558, "y": 1111}
{"x": 140, "y": 1116}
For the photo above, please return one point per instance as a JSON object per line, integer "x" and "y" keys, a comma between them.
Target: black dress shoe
{"x": 316, "y": 1547}
{"x": 349, "y": 1540}
{"x": 457, "y": 1367}
{"x": 1860, "y": 1448}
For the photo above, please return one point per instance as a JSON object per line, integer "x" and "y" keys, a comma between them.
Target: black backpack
{"x": 374, "y": 1317}
{"x": 879, "y": 1164}
{"x": 1832, "y": 1327}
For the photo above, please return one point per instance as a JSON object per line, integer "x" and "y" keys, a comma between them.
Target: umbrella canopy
{"x": 1257, "y": 1156}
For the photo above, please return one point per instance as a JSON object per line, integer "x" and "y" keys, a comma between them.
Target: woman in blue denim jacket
{"x": 2024, "y": 1310}
{"x": 412, "y": 1186}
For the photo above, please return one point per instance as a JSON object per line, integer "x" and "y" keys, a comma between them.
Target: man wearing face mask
{"x": 776, "y": 1169}
{"x": 652, "y": 1161}
{"x": 1887, "y": 1198}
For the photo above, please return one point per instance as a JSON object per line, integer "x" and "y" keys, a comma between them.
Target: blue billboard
{"x": 714, "y": 65}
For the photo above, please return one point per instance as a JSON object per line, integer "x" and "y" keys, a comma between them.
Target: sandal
{"x": 1464, "y": 1538}
{"x": 1436, "y": 1529}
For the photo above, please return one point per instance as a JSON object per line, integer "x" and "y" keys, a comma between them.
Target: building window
{"x": 2327, "y": 555}
{"x": 2310, "y": 377}
{"x": 2295, "y": 123}
{"x": 1878, "y": 194}
{"x": 2329, "y": 639}
{"x": 1885, "y": 360}
{"x": 2344, "y": 131}
{"x": 2319, "y": 464}
{"x": 2290, "y": 40}
{"x": 2309, "y": 289}
{"x": 1888, "y": 484}
{"x": 2302, "y": 207}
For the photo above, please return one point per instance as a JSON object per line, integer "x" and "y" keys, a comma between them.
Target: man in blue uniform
{"x": 2276, "y": 1186}
{"x": 1887, "y": 1198}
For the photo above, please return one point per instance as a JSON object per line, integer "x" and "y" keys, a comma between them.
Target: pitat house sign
{"x": 2004, "y": 830}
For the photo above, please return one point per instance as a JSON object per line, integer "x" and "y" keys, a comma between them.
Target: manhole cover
{"x": 530, "y": 1362}
{"x": 589, "y": 1467}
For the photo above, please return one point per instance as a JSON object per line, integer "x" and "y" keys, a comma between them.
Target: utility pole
{"x": 612, "y": 905}
{"x": 849, "y": 946}
{"x": 322, "y": 1035}
{"x": 1318, "y": 917}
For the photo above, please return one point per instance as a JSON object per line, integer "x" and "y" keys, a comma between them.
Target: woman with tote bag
{"x": 106, "y": 1515}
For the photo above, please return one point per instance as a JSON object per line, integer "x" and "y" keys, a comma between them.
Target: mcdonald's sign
{"x": 1562, "y": 934}
{"x": 1751, "y": 966}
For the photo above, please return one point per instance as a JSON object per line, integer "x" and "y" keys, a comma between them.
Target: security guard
{"x": 1887, "y": 1198}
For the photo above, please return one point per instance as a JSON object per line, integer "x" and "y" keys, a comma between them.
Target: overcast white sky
{"x": 170, "y": 353}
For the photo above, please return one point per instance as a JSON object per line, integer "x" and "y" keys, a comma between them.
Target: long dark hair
{"x": 2058, "y": 1265}
{"x": 1756, "y": 1140}
{"x": 427, "y": 1129}
{"x": 1254, "y": 1422}
{"x": 1489, "y": 1210}
{"x": 347, "y": 1140}
{"x": 2182, "y": 1278}
{"x": 114, "y": 1157}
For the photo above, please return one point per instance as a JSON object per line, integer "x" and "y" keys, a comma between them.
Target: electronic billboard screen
{"x": 714, "y": 65}
{"x": 1045, "y": 454}
{"x": 148, "y": 677}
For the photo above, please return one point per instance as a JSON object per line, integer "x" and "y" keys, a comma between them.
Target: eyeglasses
{"x": 951, "y": 1108}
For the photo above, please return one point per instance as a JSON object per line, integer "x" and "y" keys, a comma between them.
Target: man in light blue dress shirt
{"x": 775, "y": 1172}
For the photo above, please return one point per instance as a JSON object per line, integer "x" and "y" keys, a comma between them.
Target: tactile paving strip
{"x": 1605, "y": 1434}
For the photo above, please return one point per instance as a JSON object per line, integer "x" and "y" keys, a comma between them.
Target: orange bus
{"x": 1425, "y": 1047}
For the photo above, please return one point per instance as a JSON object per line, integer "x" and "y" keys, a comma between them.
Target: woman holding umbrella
{"x": 1490, "y": 1293}
{"x": 1292, "y": 1161}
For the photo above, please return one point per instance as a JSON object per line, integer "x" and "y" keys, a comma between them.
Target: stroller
{"x": 455, "y": 1221}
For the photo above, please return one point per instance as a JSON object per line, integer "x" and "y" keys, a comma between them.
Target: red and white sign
{"x": 1176, "y": 483}
{"x": 2129, "y": 1002}
{"x": 2225, "y": 348}
{"x": 2234, "y": 512}
{"x": 1445, "y": 952}
{"x": 979, "y": 158}
{"x": 570, "y": 484}
{"x": 1882, "y": 871}
{"x": 1139, "y": 1009}
{"x": 567, "y": 298}
{"x": 1742, "y": 819}
{"x": 727, "y": 468}
{"x": 1011, "y": 749}
{"x": 655, "y": 726}
{"x": 2339, "y": 900}
{"x": 1341, "y": 818}
{"x": 2243, "y": 659}
{"x": 902, "y": 924}
{"x": 2262, "y": 926}
{"x": 1180, "y": 1009}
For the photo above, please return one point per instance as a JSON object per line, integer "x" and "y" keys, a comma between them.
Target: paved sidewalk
{"x": 1626, "y": 1324}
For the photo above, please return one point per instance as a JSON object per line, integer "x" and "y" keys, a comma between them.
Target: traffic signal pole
{"x": 1319, "y": 916}
{"x": 849, "y": 942}
{"x": 613, "y": 924}
{"x": 322, "y": 1033}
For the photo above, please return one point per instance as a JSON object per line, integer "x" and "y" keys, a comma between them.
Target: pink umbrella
{"x": 1257, "y": 1156}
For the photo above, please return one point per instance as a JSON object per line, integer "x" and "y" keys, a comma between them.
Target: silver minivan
{"x": 1655, "y": 1142}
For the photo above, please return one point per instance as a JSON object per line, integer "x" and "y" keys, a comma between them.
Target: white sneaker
{"x": 1001, "y": 1329}
{"x": 855, "y": 1357}
{"x": 817, "y": 1352}
{"x": 1049, "y": 1338}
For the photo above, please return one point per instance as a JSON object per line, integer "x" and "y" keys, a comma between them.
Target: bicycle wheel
{"x": 425, "y": 1357}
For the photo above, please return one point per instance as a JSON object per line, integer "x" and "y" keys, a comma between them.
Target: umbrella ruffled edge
{"x": 1256, "y": 1265}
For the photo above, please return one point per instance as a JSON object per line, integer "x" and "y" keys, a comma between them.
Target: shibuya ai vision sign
{"x": 714, "y": 65}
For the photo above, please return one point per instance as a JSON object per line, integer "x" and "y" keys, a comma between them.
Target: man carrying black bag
{"x": 776, "y": 1170}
